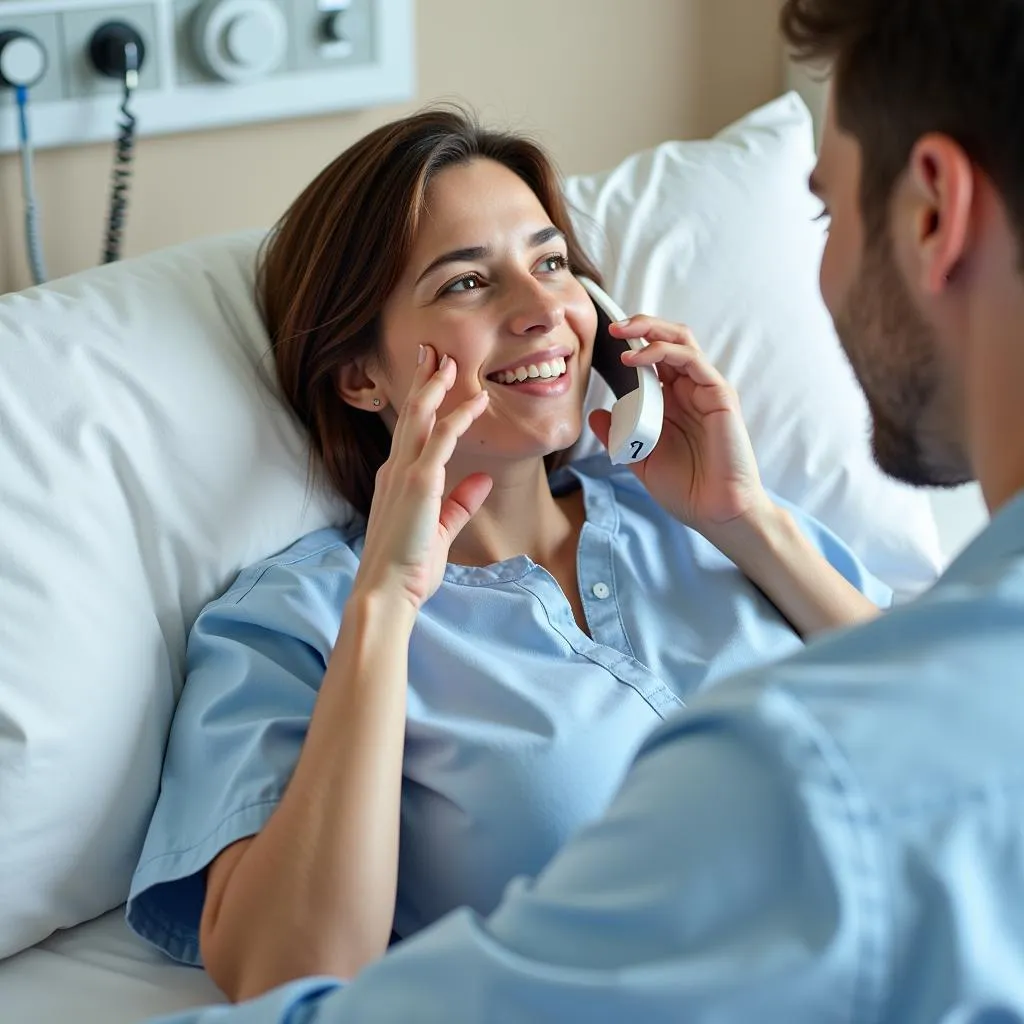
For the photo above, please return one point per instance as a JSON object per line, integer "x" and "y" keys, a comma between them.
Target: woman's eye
{"x": 555, "y": 262}
{"x": 469, "y": 283}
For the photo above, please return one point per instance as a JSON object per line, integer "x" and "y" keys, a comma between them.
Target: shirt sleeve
{"x": 734, "y": 879}
{"x": 256, "y": 659}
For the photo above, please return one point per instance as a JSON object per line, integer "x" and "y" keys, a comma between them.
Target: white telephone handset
{"x": 639, "y": 410}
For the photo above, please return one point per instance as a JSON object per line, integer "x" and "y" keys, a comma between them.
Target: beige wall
{"x": 594, "y": 79}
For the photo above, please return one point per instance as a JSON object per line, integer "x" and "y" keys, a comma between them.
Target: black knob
{"x": 110, "y": 49}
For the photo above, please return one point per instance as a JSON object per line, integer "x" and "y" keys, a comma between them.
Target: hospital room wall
{"x": 594, "y": 79}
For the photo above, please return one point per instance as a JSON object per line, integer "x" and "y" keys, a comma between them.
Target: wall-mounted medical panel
{"x": 207, "y": 63}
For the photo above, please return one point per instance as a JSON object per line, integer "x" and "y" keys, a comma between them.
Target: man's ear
{"x": 942, "y": 183}
{"x": 357, "y": 385}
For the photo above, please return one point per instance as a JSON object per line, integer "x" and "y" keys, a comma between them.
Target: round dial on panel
{"x": 240, "y": 40}
{"x": 22, "y": 59}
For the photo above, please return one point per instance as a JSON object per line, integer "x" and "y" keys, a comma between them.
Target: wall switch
{"x": 334, "y": 35}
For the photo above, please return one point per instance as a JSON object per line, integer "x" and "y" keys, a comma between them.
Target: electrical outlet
{"x": 46, "y": 28}
{"x": 78, "y": 27}
{"x": 313, "y": 48}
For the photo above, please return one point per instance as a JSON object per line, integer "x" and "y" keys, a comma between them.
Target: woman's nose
{"x": 535, "y": 310}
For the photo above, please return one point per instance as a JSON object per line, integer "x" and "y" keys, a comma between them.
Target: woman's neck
{"x": 520, "y": 517}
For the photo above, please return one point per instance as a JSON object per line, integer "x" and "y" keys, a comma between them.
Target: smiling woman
{"x": 391, "y": 721}
{"x": 501, "y": 307}
{"x": 331, "y": 278}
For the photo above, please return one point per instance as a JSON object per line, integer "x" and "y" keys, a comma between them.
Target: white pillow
{"x": 145, "y": 458}
{"x": 720, "y": 235}
{"x": 143, "y": 462}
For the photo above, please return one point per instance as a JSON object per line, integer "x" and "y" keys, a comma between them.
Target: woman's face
{"x": 488, "y": 284}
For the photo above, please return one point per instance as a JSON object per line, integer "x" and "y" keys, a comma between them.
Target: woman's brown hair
{"x": 328, "y": 267}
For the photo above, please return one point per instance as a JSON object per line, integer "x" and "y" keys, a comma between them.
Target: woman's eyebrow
{"x": 480, "y": 252}
{"x": 468, "y": 255}
{"x": 544, "y": 236}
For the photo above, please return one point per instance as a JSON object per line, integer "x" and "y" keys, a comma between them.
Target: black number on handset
{"x": 638, "y": 447}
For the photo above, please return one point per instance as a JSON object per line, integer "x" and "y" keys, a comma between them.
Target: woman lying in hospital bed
{"x": 388, "y": 721}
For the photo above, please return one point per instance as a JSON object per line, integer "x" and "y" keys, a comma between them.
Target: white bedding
{"x": 960, "y": 516}
{"x": 97, "y": 973}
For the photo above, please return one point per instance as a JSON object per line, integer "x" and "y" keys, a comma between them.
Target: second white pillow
{"x": 720, "y": 235}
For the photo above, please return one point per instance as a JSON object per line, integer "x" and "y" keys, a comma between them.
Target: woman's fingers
{"x": 672, "y": 347}
{"x": 463, "y": 503}
{"x": 440, "y": 446}
{"x": 654, "y": 329}
{"x": 683, "y": 358}
{"x": 416, "y": 418}
{"x": 600, "y": 421}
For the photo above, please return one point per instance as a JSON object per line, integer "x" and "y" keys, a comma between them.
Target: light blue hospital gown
{"x": 520, "y": 726}
{"x": 835, "y": 839}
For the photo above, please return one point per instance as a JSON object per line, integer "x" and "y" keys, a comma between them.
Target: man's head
{"x": 922, "y": 172}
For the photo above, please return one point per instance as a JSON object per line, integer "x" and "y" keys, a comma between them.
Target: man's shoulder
{"x": 924, "y": 703}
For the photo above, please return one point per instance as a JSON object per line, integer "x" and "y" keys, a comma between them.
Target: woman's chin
{"x": 560, "y": 440}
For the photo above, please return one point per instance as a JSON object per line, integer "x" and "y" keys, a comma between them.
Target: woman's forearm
{"x": 774, "y": 554}
{"x": 314, "y": 892}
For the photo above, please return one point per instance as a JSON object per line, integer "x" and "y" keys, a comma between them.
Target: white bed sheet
{"x": 97, "y": 973}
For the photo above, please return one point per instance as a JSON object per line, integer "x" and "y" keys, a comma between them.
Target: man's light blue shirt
{"x": 520, "y": 725}
{"x": 839, "y": 837}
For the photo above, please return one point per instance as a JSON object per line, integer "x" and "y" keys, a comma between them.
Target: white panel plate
{"x": 173, "y": 103}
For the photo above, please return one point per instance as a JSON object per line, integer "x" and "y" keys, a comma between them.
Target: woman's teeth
{"x": 543, "y": 371}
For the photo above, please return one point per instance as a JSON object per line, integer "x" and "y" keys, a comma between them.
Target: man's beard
{"x": 894, "y": 354}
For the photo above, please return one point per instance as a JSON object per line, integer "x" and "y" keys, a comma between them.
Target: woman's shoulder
{"x": 317, "y": 567}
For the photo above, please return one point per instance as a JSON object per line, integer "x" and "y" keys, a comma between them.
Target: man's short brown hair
{"x": 905, "y": 68}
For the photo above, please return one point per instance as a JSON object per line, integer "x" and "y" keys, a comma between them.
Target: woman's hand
{"x": 703, "y": 469}
{"x": 412, "y": 522}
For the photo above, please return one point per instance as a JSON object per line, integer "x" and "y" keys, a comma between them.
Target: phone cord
{"x": 123, "y": 156}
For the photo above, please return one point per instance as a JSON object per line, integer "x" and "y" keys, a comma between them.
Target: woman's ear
{"x": 358, "y": 387}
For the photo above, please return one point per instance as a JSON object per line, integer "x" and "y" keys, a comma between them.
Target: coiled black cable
{"x": 124, "y": 154}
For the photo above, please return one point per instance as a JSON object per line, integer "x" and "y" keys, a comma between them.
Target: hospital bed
{"x": 145, "y": 457}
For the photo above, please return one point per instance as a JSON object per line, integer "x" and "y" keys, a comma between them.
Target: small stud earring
{"x": 376, "y": 403}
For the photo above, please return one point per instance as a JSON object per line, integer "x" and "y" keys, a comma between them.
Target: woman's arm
{"x": 314, "y": 892}
{"x": 773, "y": 552}
{"x": 703, "y": 471}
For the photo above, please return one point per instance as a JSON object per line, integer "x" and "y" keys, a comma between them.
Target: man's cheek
{"x": 838, "y": 271}
{"x": 827, "y": 280}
